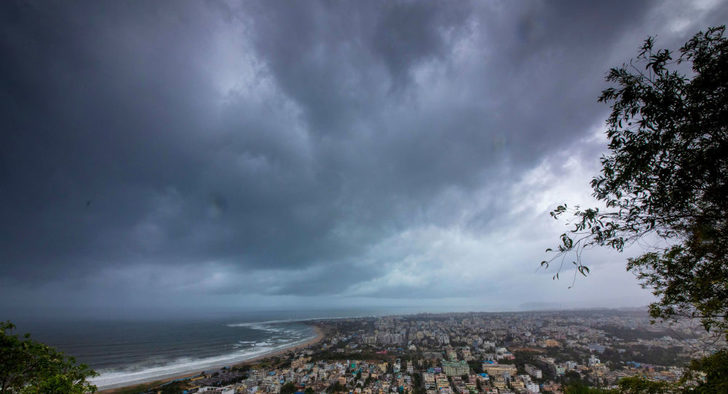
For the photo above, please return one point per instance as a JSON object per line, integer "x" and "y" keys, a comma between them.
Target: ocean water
{"x": 127, "y": 351}
{"x": 134, "y": 350}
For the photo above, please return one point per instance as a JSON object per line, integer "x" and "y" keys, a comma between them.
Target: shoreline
{"x": 318, "y": 337}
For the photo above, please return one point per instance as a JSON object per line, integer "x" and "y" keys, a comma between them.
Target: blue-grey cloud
{"x": 311, "y": 148}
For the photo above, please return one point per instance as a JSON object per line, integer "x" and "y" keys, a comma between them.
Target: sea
{"x": 130, "y": 351}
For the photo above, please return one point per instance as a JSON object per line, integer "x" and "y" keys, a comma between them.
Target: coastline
{"x": 318, "y": 337}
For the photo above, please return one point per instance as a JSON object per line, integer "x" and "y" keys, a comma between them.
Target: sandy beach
{"x": 162, "y": 379}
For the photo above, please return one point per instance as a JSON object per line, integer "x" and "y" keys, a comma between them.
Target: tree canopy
{"x": 27, "y": 366}
{"x": 665, "y": 174}
{"x": 288, "y": 388}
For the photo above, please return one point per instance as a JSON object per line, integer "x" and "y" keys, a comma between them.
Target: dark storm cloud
{"x": 286, "y": 146}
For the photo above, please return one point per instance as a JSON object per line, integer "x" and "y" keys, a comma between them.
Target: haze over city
{"x": 205, "y": 157}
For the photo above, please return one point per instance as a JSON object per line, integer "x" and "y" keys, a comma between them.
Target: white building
{"x": 593, "y": 360}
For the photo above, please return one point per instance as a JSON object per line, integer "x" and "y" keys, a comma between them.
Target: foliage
{"x": 288, "y": 388}
{"x": 27, "y": 366}
{"x": 139, "y": 388}
{"x": 335, "y": 388}
{"x": 666, "y": 174}
{"x": 630, "y": 385}
{"x": 580, "y": 388}
{"x": 476, "y": 366}
{"x": 172, "y": 388}
{"x": 640, "y": 385}
{"x": 646, "y": 354}
{"x": 571, "y": 378}
{"x": 712, "y": 373}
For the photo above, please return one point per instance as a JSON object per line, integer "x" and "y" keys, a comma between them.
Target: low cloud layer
{"x": 162, "y": 154}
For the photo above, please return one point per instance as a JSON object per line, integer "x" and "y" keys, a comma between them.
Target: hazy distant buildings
{"x": 450, "y": 343}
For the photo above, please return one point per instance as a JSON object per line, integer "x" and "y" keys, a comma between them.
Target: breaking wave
{"x": 243, "y": 350}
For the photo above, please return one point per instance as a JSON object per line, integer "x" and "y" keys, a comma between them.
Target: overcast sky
{"x": 183, "y": 155}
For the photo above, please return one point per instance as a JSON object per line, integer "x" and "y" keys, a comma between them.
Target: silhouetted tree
{"x": 666, "y": 174}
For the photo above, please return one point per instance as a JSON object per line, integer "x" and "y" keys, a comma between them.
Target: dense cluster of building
{"x": 473, "y": 353}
